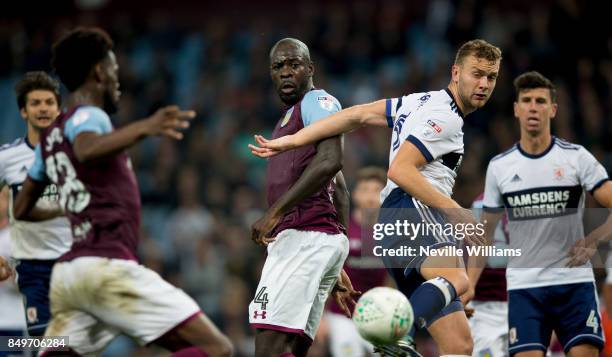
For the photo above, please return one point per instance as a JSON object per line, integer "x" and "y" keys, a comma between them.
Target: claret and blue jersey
{"x": 101, "y": 198}
{"x": 316, "y": 213}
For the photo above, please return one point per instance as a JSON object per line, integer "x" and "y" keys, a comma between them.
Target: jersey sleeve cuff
{"x": 598, "y": 185}
{"x": 38, "y": 179}
{"x": 490, "y": 209}
{"x": 388, "y": 114}
{"x": 413, "y": 139}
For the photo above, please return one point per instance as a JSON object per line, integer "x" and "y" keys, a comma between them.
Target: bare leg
{"x": 452, "y": 334}
{"x": 197, "y": 332}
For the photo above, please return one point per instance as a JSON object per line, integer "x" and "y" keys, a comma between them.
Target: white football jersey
{"x": 31, "y": 240}
{"x": 543, "y": 196}
{"x": 433, "y": 123}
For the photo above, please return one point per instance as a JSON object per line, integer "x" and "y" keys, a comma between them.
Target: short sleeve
{"x": 436, "y": 134}
{"x": 391, "y": 107}
{"x": 592, "y": 174}
{"x": 492, "y": 199}
{"x": 318, "y": 104}
{"x": 37, "y": 170}
{"x": 90, "y": 119}
{"x": 477, "y": 207}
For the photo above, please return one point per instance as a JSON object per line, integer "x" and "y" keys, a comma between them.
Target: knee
{"x": 459, "y": 280}
{"x": 457, "y": 277}
{"x": 467, "y": 347}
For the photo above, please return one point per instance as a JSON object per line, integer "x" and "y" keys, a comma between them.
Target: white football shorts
{"x": 299, "y": 273}
{"x": 489, "y": 327}
{"x": 344, "y": 339}
{"x": 93, "y": 299}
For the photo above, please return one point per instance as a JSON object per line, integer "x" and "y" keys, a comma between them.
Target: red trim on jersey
{"x": 282, "y": 329}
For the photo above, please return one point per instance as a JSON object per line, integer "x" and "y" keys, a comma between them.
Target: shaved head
{"x": 291, "y": 69}
{"x": 302, "y": 49}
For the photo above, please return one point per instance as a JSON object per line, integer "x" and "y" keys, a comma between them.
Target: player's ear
{"x": 311, "y": 69}
{"x": 98, "y": 72}
{"x": 554, "y": 110}
{"x": 23, "y": 113}
{"x": 455, "y": 73}
{"x": 515, "y": 106}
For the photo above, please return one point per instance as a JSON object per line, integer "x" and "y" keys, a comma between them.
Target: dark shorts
{"x": 405, "y": 270}
{"x": 33, "y": 277}
{"x": 401, "y": 207}
{"x": 570, "y": 310}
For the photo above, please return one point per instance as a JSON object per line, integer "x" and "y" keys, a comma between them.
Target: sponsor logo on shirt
{"x": 435, "y": 126}
{"x": 542, "y": 202}
{"x": 326, "y": 103}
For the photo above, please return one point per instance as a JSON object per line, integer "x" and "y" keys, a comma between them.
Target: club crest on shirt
{"x": 287, "y": 117}
{"x": 326, "y": 103}
{"x": 558, "y": 173}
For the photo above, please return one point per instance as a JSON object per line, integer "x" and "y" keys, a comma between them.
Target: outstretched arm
{"x": 371, "y": 114}
{"x": 166, "y": 121}
{"x": 323, "y": 167}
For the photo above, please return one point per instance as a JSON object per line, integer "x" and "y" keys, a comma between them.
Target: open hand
{"x": 466, "y": 298}
{"x": 581, "y": 252}
{"x": 344, "y": 294}
{"x": 462, "y": 217}
{"x": 267, "y": 148}
{"x": 262, "y": 227}
{"x": 6, "y": 271}
{"x": 168, "y": 121}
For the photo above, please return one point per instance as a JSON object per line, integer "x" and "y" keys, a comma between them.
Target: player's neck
{"x": 84, "y": 96}
{"x": 33, "y": 135}
{"x": 535, "y": 145}
{"x": 452, "y": 87}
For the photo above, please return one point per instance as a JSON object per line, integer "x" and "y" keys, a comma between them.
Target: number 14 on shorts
{"x": 261, "y": 298}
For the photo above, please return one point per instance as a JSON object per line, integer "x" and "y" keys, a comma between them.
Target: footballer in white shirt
{"x": 540, "y": 183}
{"x": 36, "y": 245}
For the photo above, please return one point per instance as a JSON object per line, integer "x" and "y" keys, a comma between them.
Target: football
{"x": 383, "y": 315}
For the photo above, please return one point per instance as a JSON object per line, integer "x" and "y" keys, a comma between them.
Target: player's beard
{"x": 110, "y": 106}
